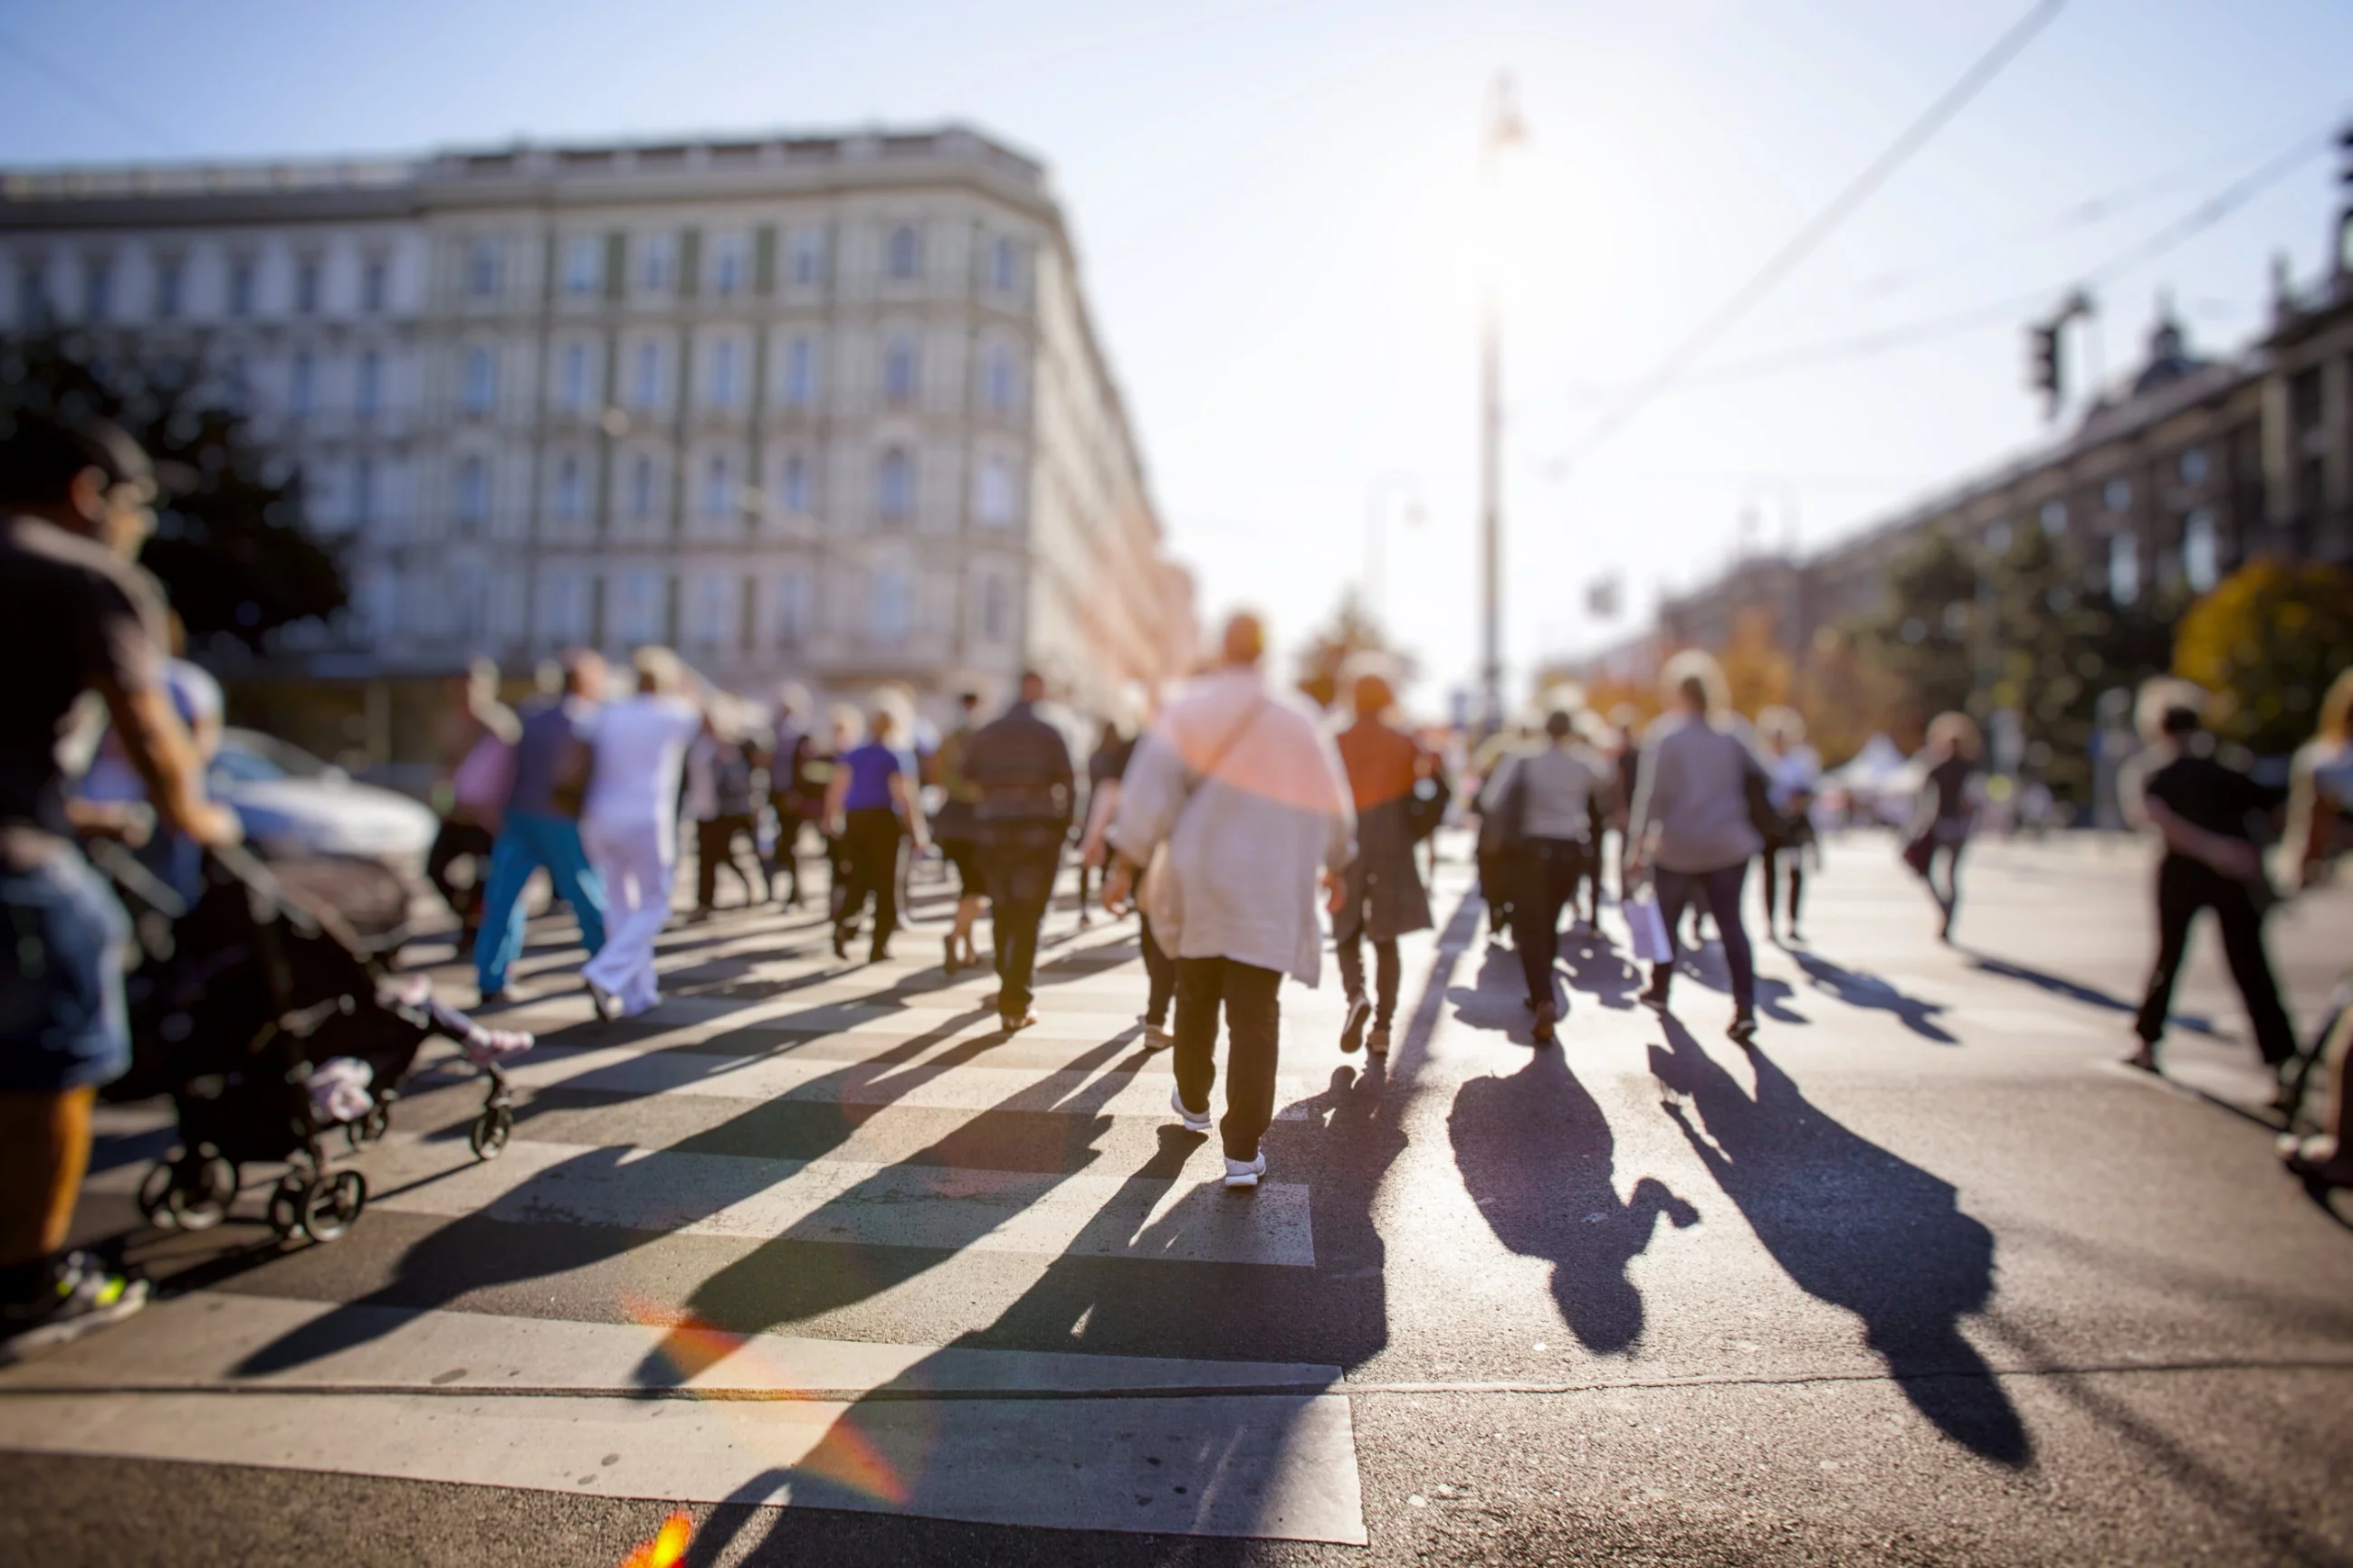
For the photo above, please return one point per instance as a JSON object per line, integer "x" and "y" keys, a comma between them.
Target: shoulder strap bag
{"x": 1158, "y": 896}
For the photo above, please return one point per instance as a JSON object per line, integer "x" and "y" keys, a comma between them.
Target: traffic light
{"x": 2042, "y": 347}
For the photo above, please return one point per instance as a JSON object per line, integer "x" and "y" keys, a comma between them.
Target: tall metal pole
{"x": 1491, "y": 517}
{"x": 1504, "y": 128}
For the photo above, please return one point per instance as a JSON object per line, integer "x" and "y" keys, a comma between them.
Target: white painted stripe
{"x": 854, "y": 1203}
{"x": 211, "y": 1339}
{"x": 920, "y": 1084}
{"x": 1278, "y": 1465}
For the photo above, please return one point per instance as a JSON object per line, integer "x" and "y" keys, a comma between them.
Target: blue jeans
{"x": 63, "y": 1021}
{"x": 527, "y": 841}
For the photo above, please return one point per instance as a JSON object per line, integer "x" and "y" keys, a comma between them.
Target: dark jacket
{"x": 1018, "y": 769}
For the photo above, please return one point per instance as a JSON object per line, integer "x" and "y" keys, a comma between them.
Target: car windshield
{"x": 248, "y": 756}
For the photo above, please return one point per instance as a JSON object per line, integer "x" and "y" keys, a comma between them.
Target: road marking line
{"x": 1279, "y": 1466}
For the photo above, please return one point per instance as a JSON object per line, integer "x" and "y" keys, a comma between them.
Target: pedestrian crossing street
{"x": 786, "y": 1128}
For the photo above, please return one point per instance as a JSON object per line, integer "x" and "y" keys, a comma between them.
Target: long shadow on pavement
{"x": 1855, "y": 1225}
{"x": 1535, "y": 1153}
{"x": 2076, "y": 991}
{"x": 1870, "y": 992}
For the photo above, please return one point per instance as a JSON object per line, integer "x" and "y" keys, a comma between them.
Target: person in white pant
{"x": 629, "y": 826}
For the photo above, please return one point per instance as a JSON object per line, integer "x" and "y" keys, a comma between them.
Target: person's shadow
{"x": 1856, "y": 1226}
{"x": 1857, "y": 989}
{"x": 1596, "y": 967}
{"x": 1534, "y": 1152}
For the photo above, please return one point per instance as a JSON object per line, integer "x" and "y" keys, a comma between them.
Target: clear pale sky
{"x": 1278, "y": 213}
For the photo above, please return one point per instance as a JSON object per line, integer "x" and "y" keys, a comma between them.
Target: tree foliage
{"x": 1352, "y": 631}
{"x": 2266, "y": 642}
{"x": 233, "y": 552}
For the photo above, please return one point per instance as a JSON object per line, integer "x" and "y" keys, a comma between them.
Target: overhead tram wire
{"x": 1915, "y": 136}
{"x": 1869, "y": 344}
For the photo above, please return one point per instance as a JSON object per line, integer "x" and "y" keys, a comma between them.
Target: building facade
{"x": 2185, "y": 469}
{"x": 828, "y": 410}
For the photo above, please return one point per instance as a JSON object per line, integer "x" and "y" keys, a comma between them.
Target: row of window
{"x": 654, "y": 260}
{"x": 710, "y": 612}
{"x": 101, "y": 300}
{"x": 719, "y": 493}
{"x": 726, "y": 375}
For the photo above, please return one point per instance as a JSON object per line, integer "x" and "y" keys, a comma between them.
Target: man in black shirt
{"x": 75, "y": 616}
{"x": 1019, "y": 768}
{"x": 2202, "y": 807}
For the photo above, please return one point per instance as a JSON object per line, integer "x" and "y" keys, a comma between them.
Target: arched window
{"x": 801, "y": 372}
{"x": 473, "y": 491}
{"x": 641, "y": 487}
{"x": 571, "y": 495}
{"x": 899, "y": 369}
{"x": 2200, "y": 553}
{"x": 993, "y": 610}
{"x": 895, "y": 605}
{"x": 718, "y": 490}
{"x": 906, "y": 252}
{"x": 997, "y": 379}
{"x": 894, "y": 490}
{"x": 482, "y": 385}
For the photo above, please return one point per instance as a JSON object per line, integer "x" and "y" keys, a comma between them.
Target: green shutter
{"x": 689, "y": 263}
{"x": 617, "y": 265}
{"x": 763, "y": 260}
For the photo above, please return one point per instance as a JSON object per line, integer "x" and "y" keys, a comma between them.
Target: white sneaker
{"x": 1243, "y": 1174}
{"x": 1156, "y": 1036}
{"x": 1194, "y": 1121}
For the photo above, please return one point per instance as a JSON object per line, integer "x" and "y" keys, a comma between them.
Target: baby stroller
{"x": 270, "y": 1019}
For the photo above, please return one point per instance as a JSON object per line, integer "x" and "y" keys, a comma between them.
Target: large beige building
{"x": 823, "y": 409}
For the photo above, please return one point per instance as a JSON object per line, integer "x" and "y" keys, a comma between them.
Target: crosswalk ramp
{"x": 805, "y": 1110}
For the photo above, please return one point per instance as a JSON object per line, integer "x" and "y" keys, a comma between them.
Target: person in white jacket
{"x": 629, "y": 826}
{"x": 1244, "y": 787}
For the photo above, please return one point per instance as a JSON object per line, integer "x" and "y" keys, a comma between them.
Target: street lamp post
{"x": 1504, "y": 130}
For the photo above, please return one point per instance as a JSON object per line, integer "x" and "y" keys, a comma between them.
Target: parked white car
{"x": 291, "y": 804}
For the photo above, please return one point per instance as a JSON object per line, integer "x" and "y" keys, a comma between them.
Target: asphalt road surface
{"x": 815, "y": 1255}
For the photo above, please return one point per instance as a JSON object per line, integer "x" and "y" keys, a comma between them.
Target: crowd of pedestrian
{"x": 1233, "y": 818}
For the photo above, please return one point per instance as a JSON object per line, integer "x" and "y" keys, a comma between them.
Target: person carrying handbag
{"x": 539, "y": 826}
{"x": 1690, "y": 829}
{"x": 1241, "y": 793}
{"x": 1382, "y": 897}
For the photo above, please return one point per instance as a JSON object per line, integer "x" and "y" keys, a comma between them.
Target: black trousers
{"x": 2183, "y": 888}
{"x": 1388, "y": 973}
{"x": 1249, "y": 997}
{"x": 456, "y": 841}
{"x": 1020, "y": 885}
{"x": 1160, "y": 970}
{"x": 715, "y": 845}
{"x": 1549, "y": 871}
{"x": 1721, "y": 889}
{"x": 1496, "y": 888}
{"x": 785, "y": 859}
{"x": 869, "y": 854}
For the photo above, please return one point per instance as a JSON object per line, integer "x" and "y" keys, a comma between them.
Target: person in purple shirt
{"x": 870, "y": 803}
{"x": 541, "y": 827}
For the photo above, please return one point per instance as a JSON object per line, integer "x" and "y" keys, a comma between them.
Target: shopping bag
{"x": 1647, "y": 929}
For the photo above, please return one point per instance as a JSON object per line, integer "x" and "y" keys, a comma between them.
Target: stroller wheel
{"x": 331, "y": 1203}
{"x": 368, "y": 1129}
{"x": 491, "y": 1128}
{"x": 155, "y": 1191}
{"x": 202, "y": 1191}
{"x": 286, "y": 1202}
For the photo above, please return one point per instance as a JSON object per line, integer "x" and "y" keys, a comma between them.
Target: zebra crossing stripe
{"x": 1031, "y": 1438}
{"x": 847, "y": 1202}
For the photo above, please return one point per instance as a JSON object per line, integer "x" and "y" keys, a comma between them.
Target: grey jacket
{"x": 1692, "y": 791}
